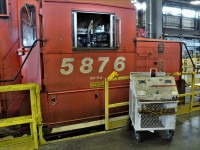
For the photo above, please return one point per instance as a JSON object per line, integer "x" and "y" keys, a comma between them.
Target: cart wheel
{"x": 129, "y": 124}
{"x": 170, "y": 135}
{"x": 138, "y": 136}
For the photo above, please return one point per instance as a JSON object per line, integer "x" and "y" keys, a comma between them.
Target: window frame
{"x": 21, "y": 28}
{"x": 7, "y": 10}
{"x": 113, "y": 38}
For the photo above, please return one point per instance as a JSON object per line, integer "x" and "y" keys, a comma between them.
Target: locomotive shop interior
{"x": 99, "y": 74}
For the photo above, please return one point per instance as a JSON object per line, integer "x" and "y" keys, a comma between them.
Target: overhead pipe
{"x": 150, "y": 19}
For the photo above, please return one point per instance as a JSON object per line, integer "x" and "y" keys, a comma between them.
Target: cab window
{"x": 28, "y": 25}
{"x": 3, "y": 8}
{"x": 93, "y": 30}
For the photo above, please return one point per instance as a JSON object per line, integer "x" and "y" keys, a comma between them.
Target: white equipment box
{"x": 152, "y": 103}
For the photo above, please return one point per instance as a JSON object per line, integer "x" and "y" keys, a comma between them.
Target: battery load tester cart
{"x": 153, "y": 102}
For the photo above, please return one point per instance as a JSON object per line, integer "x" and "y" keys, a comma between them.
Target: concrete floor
{"x": 187, "y": 137}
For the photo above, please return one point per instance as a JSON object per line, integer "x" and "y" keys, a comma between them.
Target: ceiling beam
{"x": 180, "y": 1}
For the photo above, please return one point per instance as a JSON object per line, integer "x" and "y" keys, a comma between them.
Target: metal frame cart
{"x": 152, "y": 103}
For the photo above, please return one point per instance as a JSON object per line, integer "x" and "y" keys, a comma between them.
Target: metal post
{"x": 106, "y": 104}
{"x": 150, "y": 19}
{"x": 34, "y": 116}
{"x": 35, "y": 119}
{"x": 41, "y": 139}
{"x": 192, "y": 91}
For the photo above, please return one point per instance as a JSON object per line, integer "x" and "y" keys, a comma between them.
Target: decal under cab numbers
{"x": 87, "y": 65}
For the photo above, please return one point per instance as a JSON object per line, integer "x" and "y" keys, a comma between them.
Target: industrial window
{"x": 188, "y": 23}
{"x": 95, "y": 30}
{"x": 189, "y": 13}
{"x": 171, "y": 21}
{"x": 175, "y": 11}
{"x": 3, "y": 8}
{"x": 28, "y": 25}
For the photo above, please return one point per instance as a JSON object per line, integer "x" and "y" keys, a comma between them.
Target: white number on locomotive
{"x": 87, "y": 65}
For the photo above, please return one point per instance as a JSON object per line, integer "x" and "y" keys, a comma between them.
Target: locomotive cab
{"x": 69, "y": 47}
{"x": 80, "y": 43}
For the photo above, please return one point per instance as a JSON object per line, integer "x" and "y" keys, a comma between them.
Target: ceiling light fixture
{"x": 133, "y": 1}
{"x": 195, "y": 2}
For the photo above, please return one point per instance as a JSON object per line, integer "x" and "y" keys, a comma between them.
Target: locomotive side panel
{"x": 165, "y": 56}
{"x": 82, "y": 70}
{"x": 76, "y": 107}
{"x": 73, "y": 74}
{"x": 77, "y": 91}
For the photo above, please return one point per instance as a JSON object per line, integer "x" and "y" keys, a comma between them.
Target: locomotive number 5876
{"x": 86, "y": 67}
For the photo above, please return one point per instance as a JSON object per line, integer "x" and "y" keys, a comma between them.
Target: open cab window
{"x": 94, "y": 30}
{"x": 4, "y": 8}
{"x": 28, "y": 25}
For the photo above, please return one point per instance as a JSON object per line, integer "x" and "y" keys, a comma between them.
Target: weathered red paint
{"x": 9, "y": 61}
{"x": 31, "y": 72}
{"x": 148, "y": 55}
{"x": 67, "y": 99}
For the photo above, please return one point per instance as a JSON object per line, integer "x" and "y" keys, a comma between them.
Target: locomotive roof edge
{"x": 119, "y": 3}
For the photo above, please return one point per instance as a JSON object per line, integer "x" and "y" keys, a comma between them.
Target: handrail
{"x": 190, "y": 57}
{"x": 18, "y": 71}
{"x": 112, "y": 77}
{"x": 192, "y": 107}
{"x": 167, "y": 41}
{"x": 35, "y": 119}
{"x": 188, "y": 108}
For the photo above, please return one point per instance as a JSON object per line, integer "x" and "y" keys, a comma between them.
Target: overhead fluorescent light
{"x": 195, "y": 2}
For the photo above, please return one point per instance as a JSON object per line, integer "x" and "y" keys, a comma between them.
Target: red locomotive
{"x": 69, "y": 47}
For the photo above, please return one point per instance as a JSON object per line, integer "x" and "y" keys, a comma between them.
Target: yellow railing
{"x": 187, "y": 66}
{"x": 191, "y": 106}
{"x": 35, "y": 119}
{"x": 182, "y": 109}
{"x": 112, "y": 77}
